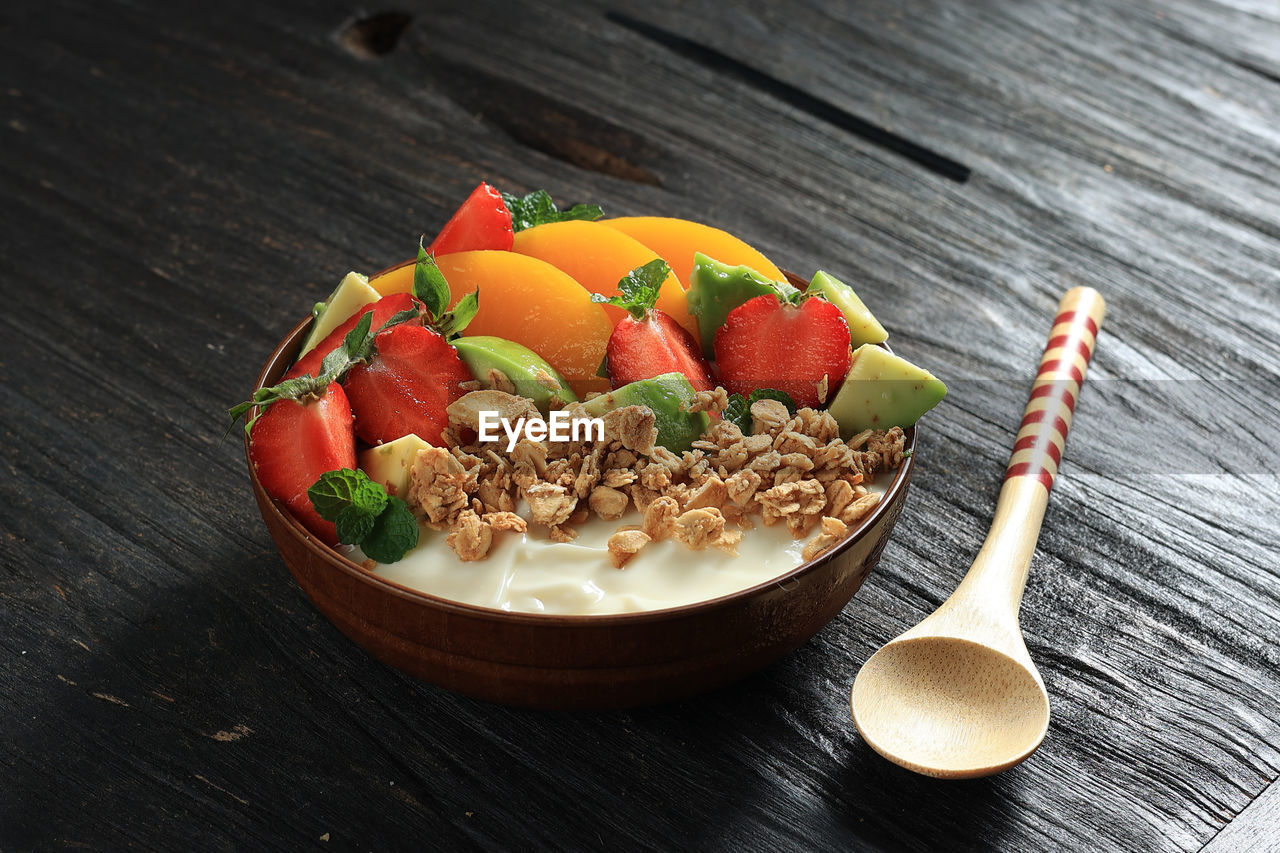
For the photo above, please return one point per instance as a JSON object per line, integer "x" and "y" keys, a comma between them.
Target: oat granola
{"x": 791, "y": 469}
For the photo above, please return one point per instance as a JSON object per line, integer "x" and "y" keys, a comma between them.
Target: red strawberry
{"x": 383, "y": 310}
{"x": 293, "y": 443}
{"x": 640, "y": 349}
{"x": 482, "y": 222}
{"x": 768, "y": 343}
{"x": 414, "y": 375}
{"x": 649, "y": 342}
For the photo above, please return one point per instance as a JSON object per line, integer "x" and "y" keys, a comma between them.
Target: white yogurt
{"x": 527, "y": 572}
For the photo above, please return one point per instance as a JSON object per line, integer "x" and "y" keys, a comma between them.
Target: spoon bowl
{"x": 950, "y": 707}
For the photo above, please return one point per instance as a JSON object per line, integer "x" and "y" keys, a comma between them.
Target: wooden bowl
{"x": 575, "y": 662}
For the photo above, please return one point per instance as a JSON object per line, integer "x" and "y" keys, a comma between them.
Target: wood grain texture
{"x": 1254, "y": 829}
{"x": 181, "y": 183}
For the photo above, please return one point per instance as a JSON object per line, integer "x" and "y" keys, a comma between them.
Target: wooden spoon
{"x": 957, "y": 696}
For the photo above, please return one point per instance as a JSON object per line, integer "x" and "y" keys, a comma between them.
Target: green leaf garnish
{"x": 537, "y": 208}
{"x": 429, "y": 284}
{"x": 353, "y": 524}
{"x": 790, "y": 295}
{"x": 432, "y": 289}
{"x": 739, "y": 408}
{"x": 639, "y": 288}
{"x": 336, "y": 490}
{"x": 364, "y": 514}
{"x": 394, "y": 533}
{"x": 451, "y": 323}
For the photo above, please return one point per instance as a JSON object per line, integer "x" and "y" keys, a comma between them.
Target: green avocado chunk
{"x": 667, "y": 395}
{"x": 528, "y": 371}
{"x": 351, "y": 294}
{"x": 882, "y": 390}
{"x": 715, "y": 289}
{"x": 864, "y": 328}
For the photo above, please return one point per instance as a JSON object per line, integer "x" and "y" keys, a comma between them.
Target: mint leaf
{"x": 739, "y": 408}
{"x": 639, "y": 288}
{"x": 343, "y": 488}
{"x": 537, "y": 208}
{"x": 394, "y": 533}
{"x": 737, "y": 412}
{"x": 354, "y": 524}
{"x": 364, "y": 514}
{"x": 451, "y": 323}
{"x": 429, "y": 284}
{"x": 772, "y": 394}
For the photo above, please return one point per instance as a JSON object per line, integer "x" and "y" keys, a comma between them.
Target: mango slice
{"x": 528, "y": 301}
{"x": 677, "y": 240}
{"x": 597, "y": 256}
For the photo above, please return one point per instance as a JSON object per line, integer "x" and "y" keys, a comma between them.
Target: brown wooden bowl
{"x": 575, "y": 662}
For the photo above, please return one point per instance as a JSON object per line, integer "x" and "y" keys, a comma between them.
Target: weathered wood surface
{"x": 179, "y": 184}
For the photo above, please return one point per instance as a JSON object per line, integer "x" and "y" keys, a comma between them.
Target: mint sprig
{"x": 432, "y": 289}
{"x": 739, "y": 408}
{"x": 364, "y": 514}
{"x": 639, "y": 288}
{"x": 537, "y": 208}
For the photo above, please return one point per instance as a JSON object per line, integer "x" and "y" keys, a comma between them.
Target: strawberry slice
{"x": 649, "y": 342}
{"x": 383, "y": 310}
{"x": 767, "y": 342}
{"x": 406, "y": 386}
{"x": 294, "y": 442}
{"x": 482, "y": 222}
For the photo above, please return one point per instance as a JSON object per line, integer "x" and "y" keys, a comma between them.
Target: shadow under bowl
{"x": 575, "y": 662}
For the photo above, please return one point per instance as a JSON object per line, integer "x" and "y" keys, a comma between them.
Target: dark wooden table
{"x": 179, "y": 183}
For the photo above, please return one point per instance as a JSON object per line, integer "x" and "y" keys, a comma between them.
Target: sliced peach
{"x": 398, "y": 279}
{"x": 527, "y": 301}
{"x": 598, "y": 256}
{"x": 677, "y": 240}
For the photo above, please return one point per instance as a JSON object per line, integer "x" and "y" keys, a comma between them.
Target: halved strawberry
{"x": 649, "y": 342}
{"x": 406, "y": 386}
{"x": 482, "y": 222}
{"x": 383, "y": 310}
{"x": 770, "y": 343}
{"x": 292, "y": 443}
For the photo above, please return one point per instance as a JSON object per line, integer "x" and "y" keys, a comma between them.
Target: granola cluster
{"x": 791, "y": 469}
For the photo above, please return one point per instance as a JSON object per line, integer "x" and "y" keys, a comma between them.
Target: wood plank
{"x": 1254, "y": 829}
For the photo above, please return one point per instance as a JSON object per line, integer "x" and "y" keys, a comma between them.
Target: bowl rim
{"x": 284, "y": 354}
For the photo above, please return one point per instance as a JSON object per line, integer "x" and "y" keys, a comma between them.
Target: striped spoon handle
{"x": 999, "y": 572}
{"x": 1037, "y": 452}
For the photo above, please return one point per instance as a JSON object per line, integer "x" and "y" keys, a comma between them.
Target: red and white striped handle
{"x": 1047, "y": 417}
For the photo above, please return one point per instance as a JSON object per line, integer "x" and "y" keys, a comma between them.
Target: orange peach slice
{"x": 598, "y": 256}
{"x": 677, "y": 240}
{"x": 527, "y": 301}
